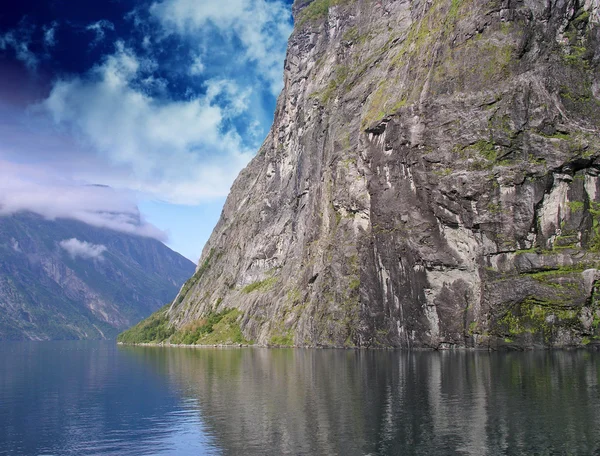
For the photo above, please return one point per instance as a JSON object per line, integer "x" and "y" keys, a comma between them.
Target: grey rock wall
{"x": 430, "y": 180}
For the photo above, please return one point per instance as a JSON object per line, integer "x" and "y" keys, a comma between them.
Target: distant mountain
{"x": 64, "y": 279}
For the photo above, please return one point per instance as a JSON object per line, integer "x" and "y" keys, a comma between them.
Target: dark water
{"x": 74, "y": 398}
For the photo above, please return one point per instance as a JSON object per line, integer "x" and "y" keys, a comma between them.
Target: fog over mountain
{"x": 65, "y": 279}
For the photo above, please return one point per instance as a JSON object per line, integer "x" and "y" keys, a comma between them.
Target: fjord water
{"x": 73, "y": 398}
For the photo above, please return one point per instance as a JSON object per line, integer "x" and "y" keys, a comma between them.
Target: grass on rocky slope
{"x": 214, "y": 328}
{"x": 155, "y": 328}
{"x": 317, "y": 10}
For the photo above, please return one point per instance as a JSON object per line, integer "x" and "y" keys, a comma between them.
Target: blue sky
{"x": 136, "y": 115}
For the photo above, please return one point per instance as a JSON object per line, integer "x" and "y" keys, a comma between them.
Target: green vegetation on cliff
{"x": 214, "y": 328}
{"x": 318, "y": 9}
{"x": 155, "y": 328}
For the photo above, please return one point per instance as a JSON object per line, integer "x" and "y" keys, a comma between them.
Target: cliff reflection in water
{"x": 260, "y": 401}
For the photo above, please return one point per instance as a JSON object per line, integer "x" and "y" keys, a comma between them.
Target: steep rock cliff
{"x": 430, "y": 180}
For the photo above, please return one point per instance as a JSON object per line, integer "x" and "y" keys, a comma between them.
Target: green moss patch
{"x": 567, "y": 277}
{"x": 317, "y": 10}
{"x": 260, "y": 285}
{"x": 340, "y": 75}
{"x": 537, "y": 316}
{"x": 284, "y": 339}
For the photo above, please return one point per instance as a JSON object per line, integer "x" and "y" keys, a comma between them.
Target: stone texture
{"x": 430, "y": 180}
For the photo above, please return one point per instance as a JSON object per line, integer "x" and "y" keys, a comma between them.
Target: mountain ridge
{"x": 64, "y": 279}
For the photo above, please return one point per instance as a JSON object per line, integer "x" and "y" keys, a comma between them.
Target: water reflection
{"x": 259, "y": 401}
{"x": 76, "y": 398}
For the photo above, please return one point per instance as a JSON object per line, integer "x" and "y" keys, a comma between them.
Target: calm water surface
{"x": 86, "y": 398}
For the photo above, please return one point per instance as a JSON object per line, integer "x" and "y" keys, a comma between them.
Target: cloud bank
{"x": 27, "y": 188}
{"x": 261, "y": 27}
{"x": 164, "y": 103}
{"x": 183, "y": 147}
{"x": 180, "y": 151}
{"x": 83, "y": 249}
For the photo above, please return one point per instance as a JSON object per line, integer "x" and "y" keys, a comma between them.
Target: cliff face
{"x": 430, "y": 180}
{"x": 50, "y": 290}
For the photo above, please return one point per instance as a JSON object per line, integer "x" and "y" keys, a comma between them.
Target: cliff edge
{"x": 430, "y": 180}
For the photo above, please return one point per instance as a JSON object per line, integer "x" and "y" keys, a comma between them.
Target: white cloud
{"x": 254, "y": 129}
{"x": 50, "y": 35}
{"x": 262, "y": 27}
{"x": 177, "y": 150}
{"x": 19, "y": 41}
{"x": 29, "y": 188}
{"x": 232, "y": 99}
{"x": 83, "y": 249}
{"x": 99, "y": 28}
{"x": 197, "y": 67}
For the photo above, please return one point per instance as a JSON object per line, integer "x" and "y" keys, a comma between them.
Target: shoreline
{"x": 594, "y": 347}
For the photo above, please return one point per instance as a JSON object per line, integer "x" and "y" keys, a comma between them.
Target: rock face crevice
{"x": 430, "y": 180}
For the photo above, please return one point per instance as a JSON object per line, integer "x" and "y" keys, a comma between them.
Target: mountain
{"x": 430, "y": 180}
{"x": 64, "y": 279}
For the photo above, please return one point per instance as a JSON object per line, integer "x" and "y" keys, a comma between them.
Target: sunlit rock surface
{"x": 430, "y": 180}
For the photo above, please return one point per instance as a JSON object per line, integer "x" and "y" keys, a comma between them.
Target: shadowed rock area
{"x": 430, "y": 180}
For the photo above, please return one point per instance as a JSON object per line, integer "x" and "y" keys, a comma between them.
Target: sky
{"x": 136, "y": 115}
